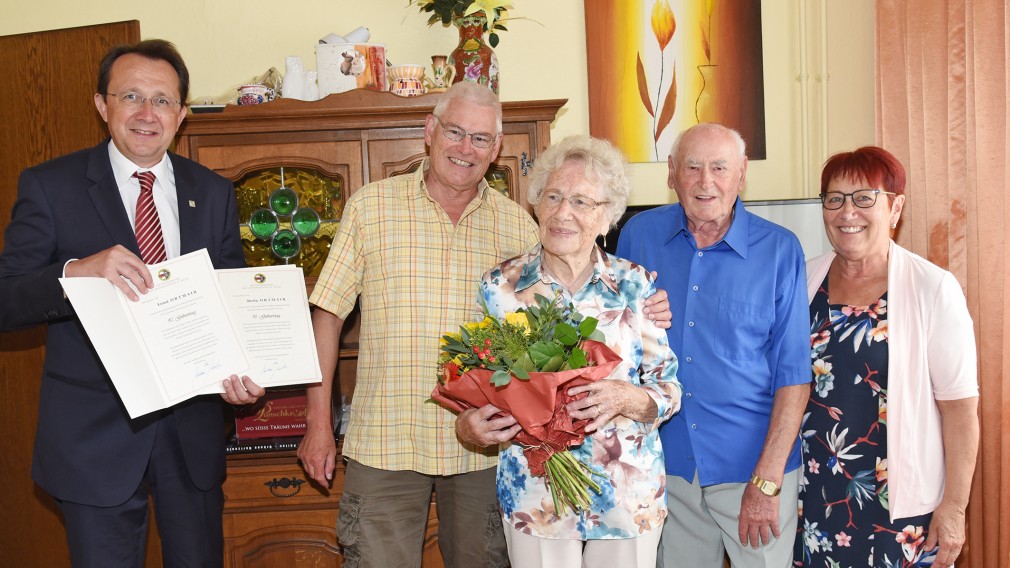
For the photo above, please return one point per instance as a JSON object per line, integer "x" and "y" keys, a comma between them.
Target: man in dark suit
{"x": 74, "y": 216}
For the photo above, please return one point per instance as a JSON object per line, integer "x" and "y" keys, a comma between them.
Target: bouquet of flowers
{"x": 524, "y": 365}
{"x": 445, "y": 11}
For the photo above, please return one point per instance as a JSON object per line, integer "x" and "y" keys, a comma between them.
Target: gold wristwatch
{"x": 769, "y": 488}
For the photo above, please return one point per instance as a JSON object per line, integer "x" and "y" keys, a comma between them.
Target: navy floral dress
{"x": 843, "y": 491}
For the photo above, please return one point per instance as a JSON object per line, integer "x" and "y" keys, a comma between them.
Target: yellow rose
{"x": 518, "y": 319}
{"x": 442, "y": 342}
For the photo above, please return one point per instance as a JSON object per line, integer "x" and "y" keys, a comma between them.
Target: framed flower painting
{"x": 658, "y": 67}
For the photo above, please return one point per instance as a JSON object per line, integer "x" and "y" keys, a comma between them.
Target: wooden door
{"x": 49, "y": 111}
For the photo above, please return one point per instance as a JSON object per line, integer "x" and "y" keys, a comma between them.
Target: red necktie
{"x": 147, "y": 226}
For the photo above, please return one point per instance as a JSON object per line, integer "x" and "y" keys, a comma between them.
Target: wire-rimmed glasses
{"x": 136, "y": 101}
{"x": 455, "y": 133}
{"x": 579, "y": 203}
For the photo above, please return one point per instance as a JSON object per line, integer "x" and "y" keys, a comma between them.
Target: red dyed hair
{"x": 878, "y": 167}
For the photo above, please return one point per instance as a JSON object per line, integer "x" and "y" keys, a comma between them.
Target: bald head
{"x": 708, "y": 167}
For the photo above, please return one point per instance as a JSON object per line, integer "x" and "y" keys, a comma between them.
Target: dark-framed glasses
{"x": 455, "y": 133}
{"x": 579, "y": 203}
{"x": 136, "y": 101}
{"x": 862, "y": 198}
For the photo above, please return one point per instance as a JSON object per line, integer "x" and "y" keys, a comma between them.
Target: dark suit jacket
{"x": 87, "y": 450}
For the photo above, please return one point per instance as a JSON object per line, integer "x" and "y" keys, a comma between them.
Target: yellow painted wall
{"x": 226, "y": 43}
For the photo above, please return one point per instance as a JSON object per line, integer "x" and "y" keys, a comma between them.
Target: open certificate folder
{"x": 186, "y": 335}
{"x": 270, "y": 312}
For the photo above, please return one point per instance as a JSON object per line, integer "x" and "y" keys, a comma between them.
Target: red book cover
{"x": 280, "y": 413}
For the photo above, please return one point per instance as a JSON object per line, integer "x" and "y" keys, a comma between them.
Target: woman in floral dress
{"x": 890, "y": 434}
{"x": 579, "y": 188}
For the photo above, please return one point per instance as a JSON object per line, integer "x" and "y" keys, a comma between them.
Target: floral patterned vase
{"x": 473, "y": 59}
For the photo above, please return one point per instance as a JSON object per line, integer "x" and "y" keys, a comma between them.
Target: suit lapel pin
{"x": 192, "y": 203}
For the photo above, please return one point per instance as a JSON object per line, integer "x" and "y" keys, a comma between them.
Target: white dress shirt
{"x": 165, "y": 197}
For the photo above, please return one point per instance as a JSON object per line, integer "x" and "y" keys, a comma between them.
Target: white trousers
{"x": 527, "y": 551}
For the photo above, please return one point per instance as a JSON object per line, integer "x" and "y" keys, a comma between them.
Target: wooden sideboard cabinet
{"x": 360, "y": 136}
{"x": 273, "y": 515}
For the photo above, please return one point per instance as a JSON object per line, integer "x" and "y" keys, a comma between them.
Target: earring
{"x": 894, "y": 225}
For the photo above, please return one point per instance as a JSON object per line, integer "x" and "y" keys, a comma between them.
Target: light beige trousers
{"x": 702, "y": 526}
{"x": 527, "y": 551}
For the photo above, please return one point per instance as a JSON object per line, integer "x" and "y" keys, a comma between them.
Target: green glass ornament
{"x": 263, "y": 223}
{"x": 305, "y": 222}
{"x": 283, "y": 201}
{"x": 286, "y": 243}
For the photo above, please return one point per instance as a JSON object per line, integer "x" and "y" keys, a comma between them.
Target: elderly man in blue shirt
{"x": 741, "y": 331}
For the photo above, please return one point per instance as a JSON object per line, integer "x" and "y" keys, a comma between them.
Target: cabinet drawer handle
{"x": 525, "y": 163}
{"x": 285, "y": 487}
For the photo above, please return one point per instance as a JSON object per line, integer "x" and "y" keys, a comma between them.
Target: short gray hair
{"x": 469, "y": 91}
{"x": 602, "y": 164}
{"x": 737, "y": 138}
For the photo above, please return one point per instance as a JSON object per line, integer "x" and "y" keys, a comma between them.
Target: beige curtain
{"x": 943, "y": 86}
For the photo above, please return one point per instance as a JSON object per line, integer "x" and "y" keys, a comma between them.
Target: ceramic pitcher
{"x": 441, "y": 73}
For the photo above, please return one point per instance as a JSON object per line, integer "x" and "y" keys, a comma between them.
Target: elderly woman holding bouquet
{"x": 891, "y": 431}
{"x": 579, "y": 189}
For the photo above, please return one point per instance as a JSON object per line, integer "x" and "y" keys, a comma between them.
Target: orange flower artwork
{"x": 663, "y": 23}
{"x": 663, "y": 26}
{"x": 658, "y": 67}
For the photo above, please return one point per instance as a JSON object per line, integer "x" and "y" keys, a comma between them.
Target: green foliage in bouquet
{"x": 445, "y": 11}
{"x": 544, "y": 337}
{"x": 547, "y": 338}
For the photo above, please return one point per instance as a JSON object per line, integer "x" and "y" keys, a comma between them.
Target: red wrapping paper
{"x": 538, "y": 404}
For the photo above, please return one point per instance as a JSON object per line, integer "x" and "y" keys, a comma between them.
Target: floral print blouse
{"x": 633, "y": 499}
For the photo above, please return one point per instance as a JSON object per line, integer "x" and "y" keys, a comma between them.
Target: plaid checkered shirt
{"x": 415, "y": 275}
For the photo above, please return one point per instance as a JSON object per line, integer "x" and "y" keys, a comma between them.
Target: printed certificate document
{"x": 270, "y": 312}
{"x": 182, "y": 339}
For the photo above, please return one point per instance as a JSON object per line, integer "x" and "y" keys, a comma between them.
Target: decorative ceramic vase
{"x": 474, "y": 60}
{"x": 311, "y": 86}
{"x": 294, "y": 79}
{"x": 441, "y": 74}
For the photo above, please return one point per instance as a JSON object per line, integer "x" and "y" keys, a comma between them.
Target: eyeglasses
{"x": 862, "y": 198}
{"x": 455, "y": 133}
{"x": 579, "y": 203}
{"x": 136, "y": 101}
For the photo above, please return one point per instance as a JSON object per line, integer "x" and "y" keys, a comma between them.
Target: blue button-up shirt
{"x": 740, "y": 329}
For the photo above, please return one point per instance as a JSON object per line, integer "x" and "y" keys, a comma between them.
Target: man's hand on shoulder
{"x": 657, "y": 307}
{"x": 117, "y": 265}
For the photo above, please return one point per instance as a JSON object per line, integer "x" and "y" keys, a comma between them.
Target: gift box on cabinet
{"x": 277, "y": 413}
{"x": 346, "y": 66}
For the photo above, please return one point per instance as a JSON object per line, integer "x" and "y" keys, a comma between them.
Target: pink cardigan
{"x": 931, "y": 356}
